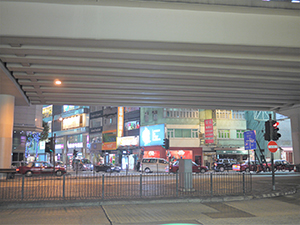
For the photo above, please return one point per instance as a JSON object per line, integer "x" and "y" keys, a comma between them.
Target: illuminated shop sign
{"x": 74, "y": 145}
{"x": 181, "y": 154}
{"x": 152, "y": 135}
{"x": 109, "y": 140}
{"x": 94, "y": 115}
{"x": 151, "y": 154}
{"x": 70, "y": 107}
{"x": 128, "y": 141}
{"x": 209, "y": 131}
{"x": 47, "y": 111}
{"x": 71, "y": 122}
{"x": 132, "y": 125}
{"x": 120, "y": 121}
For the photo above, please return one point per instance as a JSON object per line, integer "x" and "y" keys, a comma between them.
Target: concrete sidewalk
{"x": 261, "y": 206}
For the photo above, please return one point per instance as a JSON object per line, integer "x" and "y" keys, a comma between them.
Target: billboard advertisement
{"x": 152, "y": 135}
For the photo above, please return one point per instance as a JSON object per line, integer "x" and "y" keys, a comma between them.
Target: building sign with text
{"x": 152, "y": 135}
{"x": 209, "y": 131}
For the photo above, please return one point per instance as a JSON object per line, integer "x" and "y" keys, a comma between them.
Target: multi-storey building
{"x": 70, "y": 125}
{"x": 27, "y": 120}
{"x": 181, "y": 126}
{"x": 222, "y": 135}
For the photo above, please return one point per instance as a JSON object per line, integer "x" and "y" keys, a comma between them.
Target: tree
{"x": 34, "y": 138}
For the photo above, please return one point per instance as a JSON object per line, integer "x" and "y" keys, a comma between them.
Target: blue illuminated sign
{"x": 250, "y": 140}
{"x": 152, "y": 135}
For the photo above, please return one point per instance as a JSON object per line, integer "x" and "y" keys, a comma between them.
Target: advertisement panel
{"x": 128, "y": 141}
{"x": 180, "y": 154}
{"x": 152, "y": 135}
{"x": 120, "y": 121}
{"x": 151, "y": 154}
{"x": 209, "y": 131}
{"x": 109, "y": 140}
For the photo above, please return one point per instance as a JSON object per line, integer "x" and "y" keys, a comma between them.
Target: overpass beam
{"x": 7, "y": 104}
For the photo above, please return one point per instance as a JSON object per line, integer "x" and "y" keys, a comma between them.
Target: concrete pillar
{"x": 294, "y": 115}
{"x": 7, "y": 104}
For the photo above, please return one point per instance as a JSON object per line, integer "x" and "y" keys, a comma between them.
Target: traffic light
{"x": 166, "y": 143}
{"x": 75, "y": 153}
{"x": 275, "y": 129}
{"x": 49, "y": 145}
{"x": 267, "y": 131}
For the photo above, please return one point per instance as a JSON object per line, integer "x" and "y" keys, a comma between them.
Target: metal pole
{"x": 244, "y": 183}
{"x": 102, "y": 186}
{"x": 141, "y": 185}
{"x": 53, "y": 152}
{"x": 64, "y": 186}
{"x": 176, "y": 184}
{"x": 22, "y": 193}
{"x": 273, "y": 174}
{"x": 211, "y": 184}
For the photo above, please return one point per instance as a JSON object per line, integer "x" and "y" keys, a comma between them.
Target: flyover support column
{"x": 7, "y": 104}
{"x": 294, "y": 115}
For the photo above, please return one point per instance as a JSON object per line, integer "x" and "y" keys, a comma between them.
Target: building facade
{"x": 70, "y": 125}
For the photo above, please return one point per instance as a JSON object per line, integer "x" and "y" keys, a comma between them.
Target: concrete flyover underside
{"x": 151, "y": 53}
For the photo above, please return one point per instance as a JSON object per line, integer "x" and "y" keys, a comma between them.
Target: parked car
{"x": 60, "y": 164}
{"x": 224, "y": 164}
{"x": 82, "y": 165}
{"x": 150, "y": 165}
{"x": 282, "y": 165}
{"x": 16, "y": 164}
{"x": 107, "y": 168}
{"x": 40, "y": 168}
{"x": 174, "y": 168}
{"x": 245, "y": 167}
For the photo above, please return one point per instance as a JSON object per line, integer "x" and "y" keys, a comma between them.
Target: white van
{"x": 156, "y": 165}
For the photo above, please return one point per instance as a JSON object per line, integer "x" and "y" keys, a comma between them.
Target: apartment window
{"x": 195, "y": 133}
{"x": 240, "y": 133}
{"x": 181, "y": 113}
{"x": 223, "y": 114}
{"x": 96, "y": 122}
{"x": 171, "y": 133}
{"x": 223, "y": 134}
{"x": 183, "y": 133}
{"x": 238, "y": 115}
{"x": 230, "y": 114}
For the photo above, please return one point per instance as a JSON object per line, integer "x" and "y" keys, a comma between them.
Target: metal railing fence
{"x": 118, "y": 186}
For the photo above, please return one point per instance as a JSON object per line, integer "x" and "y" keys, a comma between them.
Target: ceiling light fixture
{"x": 57, "y": 82}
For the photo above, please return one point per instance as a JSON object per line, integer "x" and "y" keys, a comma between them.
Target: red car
{"x": 40, "y": 168}
{"x": 174, "y": 168}
{"x": 254, "y": 166}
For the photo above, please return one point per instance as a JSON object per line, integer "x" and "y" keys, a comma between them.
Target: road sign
{"x": 250, "y": 140}
{"x": 272, "y": 146}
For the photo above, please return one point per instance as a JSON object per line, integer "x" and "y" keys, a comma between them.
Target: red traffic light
{"x": 275, "y": 124}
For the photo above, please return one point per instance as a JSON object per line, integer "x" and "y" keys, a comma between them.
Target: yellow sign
{"x": 120, "y": 121}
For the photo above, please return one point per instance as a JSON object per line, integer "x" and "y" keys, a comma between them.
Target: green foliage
{"x": 45, "y": 132}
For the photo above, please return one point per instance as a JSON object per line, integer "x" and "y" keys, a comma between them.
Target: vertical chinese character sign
{"x": 209, "y": 131}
